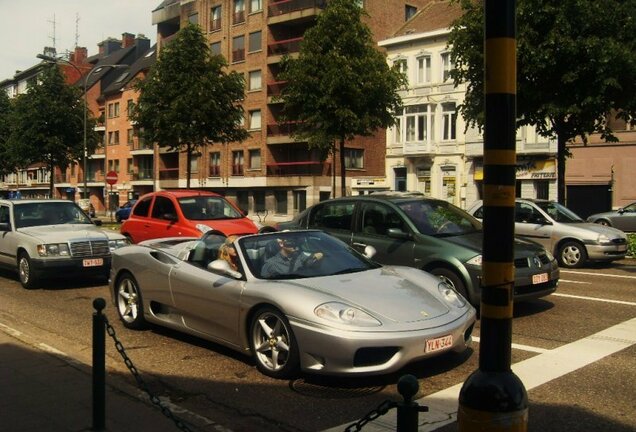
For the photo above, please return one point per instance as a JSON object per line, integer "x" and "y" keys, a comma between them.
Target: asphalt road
{"x": 205, "y": 381}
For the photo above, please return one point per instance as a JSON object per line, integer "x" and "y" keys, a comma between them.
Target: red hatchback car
{"x": 184, "y": 213}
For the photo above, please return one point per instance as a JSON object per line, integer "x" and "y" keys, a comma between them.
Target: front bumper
{"x": 337, "y": 352}
{"x": 65, "y": 266}
{"x": 613, "y": 252}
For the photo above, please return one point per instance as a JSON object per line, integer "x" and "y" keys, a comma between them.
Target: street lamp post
{"x": 86, "y": 77}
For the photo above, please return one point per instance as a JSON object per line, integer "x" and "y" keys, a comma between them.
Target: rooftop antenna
{"x": 52, "y": 38}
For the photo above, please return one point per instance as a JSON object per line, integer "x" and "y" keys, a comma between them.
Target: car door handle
{"x": 359, "y": 244}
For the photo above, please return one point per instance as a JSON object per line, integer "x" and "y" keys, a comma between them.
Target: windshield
{"x": 558, "y": 212}
{"x": 48, "y": 213}
{"x": 293, "y": 255}
{"x": 439, "y": 218}
{"x": 208, "y": 208}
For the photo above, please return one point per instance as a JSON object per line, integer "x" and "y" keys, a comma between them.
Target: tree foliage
{"x": 340, "y": 86}
{"x": 189, "y": 99}
{"x": 576, "y": 63}
{"x": 47, "y": 125}
{"x": 5, "y": 112}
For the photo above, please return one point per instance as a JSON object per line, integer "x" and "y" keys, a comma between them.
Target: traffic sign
{"x": 111, "y": 177}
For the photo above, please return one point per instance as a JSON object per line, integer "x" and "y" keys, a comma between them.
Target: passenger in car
{"x": 228, "y": 253}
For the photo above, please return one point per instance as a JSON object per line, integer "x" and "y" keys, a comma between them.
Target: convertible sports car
{"x": 328, "y": 310}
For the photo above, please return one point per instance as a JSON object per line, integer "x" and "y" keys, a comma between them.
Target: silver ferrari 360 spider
{"x": 293, "y": 300}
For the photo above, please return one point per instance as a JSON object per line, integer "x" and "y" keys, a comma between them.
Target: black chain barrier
{"x": 407, "y": 411}
{"x": 99, "y": 305}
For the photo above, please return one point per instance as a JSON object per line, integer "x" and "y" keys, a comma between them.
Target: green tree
{"x": 340, "y": 86}
{"x": 48, "y": 125}
{"x": 6, "y": 165}
{"x": 576, "y": 62}
{"x": 189, "y": 99}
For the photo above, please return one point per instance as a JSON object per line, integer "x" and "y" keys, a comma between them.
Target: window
{"x": 255, "y": 159}
{"x": 256, "y": 5}
{"x": 237, "y": 162}
{"x": 238, "y": 49}
{"x": 324, "y": 195}
{"x": 113, "y": 138}
{"x": 130, "y": 135}
{"x": 418, "y": 123}
{"x": 255, "y": 80}
{"x": 255, "y": 42}
{"x": 446, "y": 66}
{"x": 129, "y": 107}
{"x": 194, "y": 18}
{"x": 243, "y": 199}
{"x": 215, "y": 164}
{"x": 354, "y": 158}
{"x": 113, "y": 110}
{"x": 142, "y": 207}
{"x": 409, "y": 11}
{"x": 129, "y": 166}
{"x": 424, "y": 69}
{"x": 281, "y": 201}
{"x": 215, "y": 48}
{"x": 449, "y": 114}
{"x": 194, "y": 163}
{"x": 543, "y": 189}
{"x": 255, "y": 119}
{"x": 239, "y": 11}
{"x": 401, "y": 65}
{"x": 113, "y": 165}
{"x": 259, "y": 201}
{"x": 334, "y": 215}
{"x": 300, "y": 201}
{"x": 163, "y": 205}
{"x": 215, "y": 18}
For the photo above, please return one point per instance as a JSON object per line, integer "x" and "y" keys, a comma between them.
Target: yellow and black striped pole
{"x": 493, "y": 398}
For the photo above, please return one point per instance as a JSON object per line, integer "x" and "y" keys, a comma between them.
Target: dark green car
{"x": 429, "y": 234}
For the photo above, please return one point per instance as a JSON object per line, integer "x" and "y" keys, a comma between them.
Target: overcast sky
{"x": 26, "y": 27}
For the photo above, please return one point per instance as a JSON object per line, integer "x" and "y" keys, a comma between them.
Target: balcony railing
{"x": 143, "y": 174}
{"x": 93, "y": 177}
{"x": 287, "y": 6}
{"x": 275, "y": 88}
{"x": 141, "y": 146}
{"x": 169, "y": 174}
{"x": 281, "y": 129}
{"x": 283, "y": 47}
{"x": 297, "y": 168}
{"x": 62, "y": 178}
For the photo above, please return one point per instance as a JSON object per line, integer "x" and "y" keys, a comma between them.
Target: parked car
{"x": 572, "y": 240}
{"x": 342, "y": 315}
{"x": 47, "y": 238}
{"x": 623, "y": 219}
{"x": 187, "y": 213}
{"x": 123, "y": 211}
{"x": 428, "y": 234}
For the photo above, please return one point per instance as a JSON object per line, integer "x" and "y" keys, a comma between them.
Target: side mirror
{"x": 170, "y": 216}
{"x": 244, "y": 211}
{"x": 223, "y": 267}
{"x": 621, "y": 210}
{"x": 5, "y": 227}
{"x": 97, "y": 222}
{"x": 542, "y": 221}
{"x": 398, "y": 234}
{"x": 369, "y": 251}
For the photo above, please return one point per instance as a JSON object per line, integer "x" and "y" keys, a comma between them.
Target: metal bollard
{"x": 408, "y": 411}
{"x": 99, "y": 365}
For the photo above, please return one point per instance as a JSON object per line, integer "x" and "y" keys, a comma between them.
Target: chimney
{"x": 80, "y": 55}
{"x": 127, "y": 40}
{"x": 50, "y": 52}
{"x": 142, "y": 44}
{"x": 108, "y": 46}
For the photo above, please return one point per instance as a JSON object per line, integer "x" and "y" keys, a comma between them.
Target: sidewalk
{"x": 44, "y": 391}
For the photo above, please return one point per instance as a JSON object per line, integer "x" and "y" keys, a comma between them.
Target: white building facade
{"x": 430, "y": 151}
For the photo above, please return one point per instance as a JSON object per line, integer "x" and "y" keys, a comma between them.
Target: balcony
{"x": 280, "y": 133}
{"x": 169, "y": 174}
{"x": 141, "y": 148}
{"x": 274, "y": 89}
{"x": 62, "y": 178}
{"x": 142, "y": 174}
{"x": 293, "y": 10}
{"x": 280, "y": 48}
{"x": 298, "y": 168}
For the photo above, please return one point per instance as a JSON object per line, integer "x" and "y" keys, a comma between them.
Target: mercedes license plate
{"x": 93, "y": 262}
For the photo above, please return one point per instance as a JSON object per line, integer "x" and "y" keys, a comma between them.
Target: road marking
{"x": 520, "y": 347}
{"x": 597, "y": 274}
{"x": 595, "y": 299}
{"x": 533, "y": 372}
{"x": 575, "y": 282}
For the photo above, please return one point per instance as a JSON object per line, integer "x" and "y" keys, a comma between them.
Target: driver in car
{"x": 288, "y": 260}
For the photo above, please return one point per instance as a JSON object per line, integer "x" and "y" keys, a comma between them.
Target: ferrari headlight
{"x": 476, "y": 261}
{"x": 53, "y": 249}
{"x": 451, "y": 296}
{"x": 116, "y": 244}
{"x": 345, "y": 314}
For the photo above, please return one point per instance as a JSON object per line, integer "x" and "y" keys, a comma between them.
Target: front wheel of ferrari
{"x": 273, "y": 344}
{"x": 129, "y": 304}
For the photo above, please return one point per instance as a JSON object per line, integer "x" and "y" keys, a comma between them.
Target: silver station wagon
{"x": 573, "y": 241}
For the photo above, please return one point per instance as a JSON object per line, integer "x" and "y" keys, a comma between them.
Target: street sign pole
{"x": 111, "y": 179}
